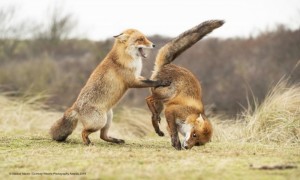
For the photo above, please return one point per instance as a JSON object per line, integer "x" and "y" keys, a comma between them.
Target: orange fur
{"x": 119, "y": 71}
{"x": 182, "y": 100}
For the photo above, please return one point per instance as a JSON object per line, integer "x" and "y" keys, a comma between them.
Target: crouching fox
{"x": 182, "y": 100}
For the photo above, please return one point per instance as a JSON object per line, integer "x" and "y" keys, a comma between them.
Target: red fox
{"x": 119, "y": 70}
{"x": 182, "y": 100}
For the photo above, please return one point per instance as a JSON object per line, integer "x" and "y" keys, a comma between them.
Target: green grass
{"x": 149, "y": 157}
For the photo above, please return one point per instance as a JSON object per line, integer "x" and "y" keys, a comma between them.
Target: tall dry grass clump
{"x": 277, "y": 118}
{"x": 25, "y": 114}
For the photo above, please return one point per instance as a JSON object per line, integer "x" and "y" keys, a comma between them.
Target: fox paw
{"x": 118, "y": 141}
{"x": 160, "y": 133}
{"x": 176, "y": 143}
{"x": 177, "y": 147}
{"x": 89, "y": 143}
{"x": 164, "y": 83}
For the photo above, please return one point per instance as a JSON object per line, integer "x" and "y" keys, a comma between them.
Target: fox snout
{"x": 150, "y": 45}
{"x": 146, "y": 44}
{"x": 185, "y": 145}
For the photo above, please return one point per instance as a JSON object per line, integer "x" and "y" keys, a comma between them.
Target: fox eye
{"x": 140, "y": 39}
{"x": 194, "y": 135}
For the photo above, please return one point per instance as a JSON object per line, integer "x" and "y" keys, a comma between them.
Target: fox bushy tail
{"x": 63, "y": 127}
{"x": 184, "y": 41}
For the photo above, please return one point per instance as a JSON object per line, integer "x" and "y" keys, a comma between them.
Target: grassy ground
{"x": 149, "y": 157}
{"x": 25, "y": 146}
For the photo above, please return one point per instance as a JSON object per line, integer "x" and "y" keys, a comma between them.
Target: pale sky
{"x": 100, "y": 19}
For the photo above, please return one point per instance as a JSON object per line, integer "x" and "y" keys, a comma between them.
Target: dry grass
{"x": 30, "y": 115}
{"x": 25, "y": 146}
{"x": 24, "y": 115}
{"x": 275, "y": 120}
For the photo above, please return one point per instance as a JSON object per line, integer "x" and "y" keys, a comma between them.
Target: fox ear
{"x": 117, "y": 35}
{"x": 200, "y": 119}
{"x": 121, "y": 37}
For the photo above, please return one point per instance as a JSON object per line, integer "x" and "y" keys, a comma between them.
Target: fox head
{"x": 199, "y": 133}
{"x": 134, "y": 43}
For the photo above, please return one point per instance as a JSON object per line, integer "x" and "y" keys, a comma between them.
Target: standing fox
{"x": 182, "y": 100}
{"x": 119, "y": 70}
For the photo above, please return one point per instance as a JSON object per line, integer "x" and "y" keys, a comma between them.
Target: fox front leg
{"x": 173, "y": 130}
{"x": 141, "y": 82}
{"x": 175, "y": 141}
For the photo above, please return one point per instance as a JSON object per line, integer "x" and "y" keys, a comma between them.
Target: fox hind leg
{"x": 104, "y": 130}
{"x": 156, "y": 108}
{"x": 92, "y": 121}
{"x": 85, "y": 136}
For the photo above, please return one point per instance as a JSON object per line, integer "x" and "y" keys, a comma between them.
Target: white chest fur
{"x": 137, "y": 65}
{"x": 183, "y": 128}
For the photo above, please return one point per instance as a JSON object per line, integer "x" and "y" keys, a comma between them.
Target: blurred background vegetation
{"x": 46, "y": 58}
